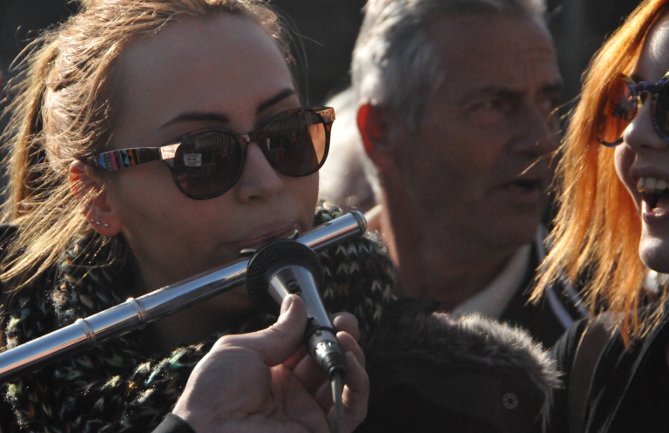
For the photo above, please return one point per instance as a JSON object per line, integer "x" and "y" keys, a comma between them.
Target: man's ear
{"x": 373, "y": 125}
{"x": 88, "y": 189}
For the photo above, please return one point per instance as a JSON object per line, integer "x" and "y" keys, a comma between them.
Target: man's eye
{"x": 500, "y": 104}
{"x": 492, "y": 111}
{"x": 551, "y": 103}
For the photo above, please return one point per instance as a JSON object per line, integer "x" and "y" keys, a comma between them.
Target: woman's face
{"x": 223, "y": 71}
{"x": 642, "y": 160}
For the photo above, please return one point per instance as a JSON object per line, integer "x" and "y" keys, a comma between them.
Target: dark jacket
{"x": 555, "y": 312}
{"x": 434, "y": 373}
{"x": 629, "y": 388}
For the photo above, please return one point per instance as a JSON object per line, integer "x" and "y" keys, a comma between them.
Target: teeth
{"x": 651, "y": 185}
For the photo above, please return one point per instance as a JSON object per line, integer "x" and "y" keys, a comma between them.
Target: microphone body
{"x": 287, "y": 267}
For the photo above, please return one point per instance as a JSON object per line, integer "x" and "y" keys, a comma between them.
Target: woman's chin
{"x": 655, "y": 255}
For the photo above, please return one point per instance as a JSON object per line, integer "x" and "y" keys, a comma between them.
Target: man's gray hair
{"x": 395, "y": 65}
{"x": 393, "y": 60}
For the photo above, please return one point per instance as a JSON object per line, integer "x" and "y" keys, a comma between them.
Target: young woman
{"x": 150, "y": 141}
{"x": 612, "y": 231}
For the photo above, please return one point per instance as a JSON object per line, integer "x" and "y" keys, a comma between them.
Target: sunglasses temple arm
{"x": 137, "y": 312}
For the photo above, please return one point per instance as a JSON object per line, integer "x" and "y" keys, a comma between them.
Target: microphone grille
{"x": 272, "y": 256}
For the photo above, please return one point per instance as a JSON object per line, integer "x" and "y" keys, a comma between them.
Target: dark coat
{"x": 556, "y": 311}
{"x": 433, "y": 373}
{"x": 629, "y": 388}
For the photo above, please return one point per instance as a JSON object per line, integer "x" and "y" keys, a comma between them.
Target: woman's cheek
{"x": 624, "y": 156}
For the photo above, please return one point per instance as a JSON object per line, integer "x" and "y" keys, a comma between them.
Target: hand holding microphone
{"x": 260, "y": 382}
{"x": 287, "y": 267}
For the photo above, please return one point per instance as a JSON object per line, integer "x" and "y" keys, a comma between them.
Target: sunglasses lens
{"x": 662, "y": 110}
{"x": 296, "y": 144}
{"x": 208, "y": 164}
{"x": 617, "y": 112}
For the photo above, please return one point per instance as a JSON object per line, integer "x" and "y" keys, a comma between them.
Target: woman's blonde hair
{"x": 61, "y": 101}
{"x": 595, "y": 240}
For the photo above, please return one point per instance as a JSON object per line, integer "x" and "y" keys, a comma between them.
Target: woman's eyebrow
{"x": 196, "y": 116}
{"x": 222, "y": 118}
{"x": 285, "y": 93}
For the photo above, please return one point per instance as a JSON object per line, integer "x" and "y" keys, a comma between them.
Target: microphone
{"x": 286, "y": 267}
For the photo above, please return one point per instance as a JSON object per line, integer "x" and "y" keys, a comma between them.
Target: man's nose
{"x": 539, "y": 130}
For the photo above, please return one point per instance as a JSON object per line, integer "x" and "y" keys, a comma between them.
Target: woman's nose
{"x": 641, "y": 133}
{"x": 259, "y": 180}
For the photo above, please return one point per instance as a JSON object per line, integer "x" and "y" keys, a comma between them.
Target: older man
{"x": 457, "y": 105}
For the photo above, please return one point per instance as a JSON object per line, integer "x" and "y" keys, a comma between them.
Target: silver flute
{"x": 137, "y": 312}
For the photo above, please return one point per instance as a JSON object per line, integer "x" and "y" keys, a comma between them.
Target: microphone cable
{"x": 337, "y": 386}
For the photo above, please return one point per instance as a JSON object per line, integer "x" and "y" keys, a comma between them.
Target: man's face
{"x": 477, "y": 169}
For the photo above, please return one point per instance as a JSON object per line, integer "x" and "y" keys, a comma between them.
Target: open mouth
{"x": 654, "y": 192}
{"x": 651, "y": 199}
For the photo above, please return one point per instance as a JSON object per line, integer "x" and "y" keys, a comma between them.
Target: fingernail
{"x": 287, "y": 302}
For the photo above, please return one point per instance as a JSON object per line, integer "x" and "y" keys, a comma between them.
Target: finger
{"x": 307, "y": 370}
{"x": 350, "y": 347}
{"x": 281, "y": 340}
{"x": 356, "y": 393}
{"x": 295, "y": 359}
{"x": 323, "y": 395}
{"x": 347, "y": 322}
{"x": 310, "y": 374}
{"x": 342, "y": 322}
{"x": 350, "y": 344}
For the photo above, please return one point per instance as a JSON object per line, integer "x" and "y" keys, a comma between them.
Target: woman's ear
{"x": 88, "y": 189}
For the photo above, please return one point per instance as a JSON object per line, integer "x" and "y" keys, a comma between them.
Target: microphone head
{"x": 271, "y": 257}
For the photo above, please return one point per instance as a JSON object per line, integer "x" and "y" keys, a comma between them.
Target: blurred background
{"x": 328, "y": 29}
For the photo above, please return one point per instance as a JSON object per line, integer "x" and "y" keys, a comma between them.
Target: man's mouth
{"x": 527, "y": 185}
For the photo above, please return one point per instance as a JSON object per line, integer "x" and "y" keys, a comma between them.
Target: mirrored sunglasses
{"x": 207, "y": 163}
{"x": 621, "y": 105}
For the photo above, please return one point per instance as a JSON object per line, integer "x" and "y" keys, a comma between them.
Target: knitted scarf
{"x": 120, "y": 385}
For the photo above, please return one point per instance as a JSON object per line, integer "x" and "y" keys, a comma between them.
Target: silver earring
{"x": 97, "y": 223}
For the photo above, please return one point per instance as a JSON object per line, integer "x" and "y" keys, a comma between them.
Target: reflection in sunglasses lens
{"x": 207, "y": 164}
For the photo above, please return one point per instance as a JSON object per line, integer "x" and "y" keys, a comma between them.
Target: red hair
{"x": 595, "y": 240}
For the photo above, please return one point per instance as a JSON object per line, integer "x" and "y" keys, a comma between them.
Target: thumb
{"x": 281, "y": 340}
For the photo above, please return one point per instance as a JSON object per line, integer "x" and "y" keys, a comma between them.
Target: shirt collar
{"x": 493, "y": 299}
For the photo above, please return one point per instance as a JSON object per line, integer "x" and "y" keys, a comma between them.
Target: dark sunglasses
{"x": 622, "y": 104}
{"x": 208, "y": 163}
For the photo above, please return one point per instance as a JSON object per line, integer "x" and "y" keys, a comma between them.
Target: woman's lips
{"x": 655, "y": 213}
{"x": 289, "y": 232}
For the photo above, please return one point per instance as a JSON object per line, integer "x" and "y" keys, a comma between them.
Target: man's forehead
{"x": 494, "y": 51}
{"x": 471, "y": 34}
